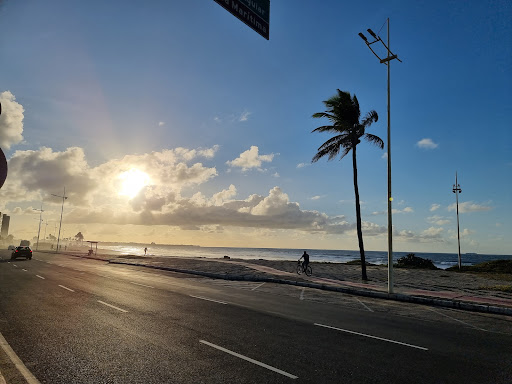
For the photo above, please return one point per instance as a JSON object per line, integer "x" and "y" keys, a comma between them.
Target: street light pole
{"x": 457, "y": 190}
{"x": 64, "y": 197}
{"x": 387, "y": 60}
{"x": 40, "y": 219}
{"x": 45, "y": 228}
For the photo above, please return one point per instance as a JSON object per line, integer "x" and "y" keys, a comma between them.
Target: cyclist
{"x": 305, "y": 264}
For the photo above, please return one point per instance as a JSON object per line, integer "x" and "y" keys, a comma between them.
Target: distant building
{"x": 5, "y": 225}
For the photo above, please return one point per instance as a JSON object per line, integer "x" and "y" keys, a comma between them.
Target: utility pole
{"x": 45, "y": 227}
{"x": 457, "y": 190}
{"x": 40, "y": 219}
{"x": 64, "y": 197}
{"x": 387, "y": 60}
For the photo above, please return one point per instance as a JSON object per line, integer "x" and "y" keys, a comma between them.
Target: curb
{"x": 435, "y": 302}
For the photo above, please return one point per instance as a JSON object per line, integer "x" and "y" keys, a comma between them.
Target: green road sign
{"x": 254, "y": 13}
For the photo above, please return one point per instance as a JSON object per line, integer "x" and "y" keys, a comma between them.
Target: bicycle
{"x": 300, "y": 268}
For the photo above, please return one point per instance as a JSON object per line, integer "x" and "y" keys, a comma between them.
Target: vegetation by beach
{"x": 358, "y": 262}
{"x": 494, "y": 266}
{"x": 413, "y": 261}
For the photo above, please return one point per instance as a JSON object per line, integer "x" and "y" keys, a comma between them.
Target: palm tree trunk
{"x": 358, "y": 216}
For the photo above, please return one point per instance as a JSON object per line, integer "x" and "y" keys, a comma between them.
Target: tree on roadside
{"x": 344, "y": 114}
{"x": 79, "y": 237}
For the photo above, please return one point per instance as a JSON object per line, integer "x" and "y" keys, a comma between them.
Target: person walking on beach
{"x": 145, "y": 250}
{"x": 305, "y": 264}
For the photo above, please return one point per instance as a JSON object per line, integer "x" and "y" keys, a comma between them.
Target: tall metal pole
{"x": 45, "y": 228}
{"x": 390, "y": 198}
{"x": 387, "y": 60}
{"x": 40, "y": 219}
{"x": 457, "y": 190}
{"x": 64, "y": 197}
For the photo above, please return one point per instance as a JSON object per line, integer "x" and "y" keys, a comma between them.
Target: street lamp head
{"x": 363, "y": 37}
{"x": 373, "y": 34}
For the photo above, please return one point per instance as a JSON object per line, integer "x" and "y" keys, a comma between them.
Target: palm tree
{"x": 343, "y": 113}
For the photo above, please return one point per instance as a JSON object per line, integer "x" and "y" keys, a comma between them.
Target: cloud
{"x": 438, "y": 220}
{"x": 302, "y": 165}
{"x": 394, "y": 211}
{"x": 434, "y": 207}
{"x": 250, "y": 159}
{"x": 276, "y": 175}
{"x": 244, "y": 116}
{"x": 384, "y": 155}
{"x": 426, "y": 144}
{"x": 431, "y": 234}
{"x": 11, "y": 120}
{"x": 318, "y": 197}
{"x": 469, "y": 206}
{"x": 161, "y": 123}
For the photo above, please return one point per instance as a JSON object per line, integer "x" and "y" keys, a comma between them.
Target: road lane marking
{"x": 142, "y": 285}
{"x": 205, "y": 298}
{"x": 23, "y": 269}
{"x": 257, "y": 286}
{"x": 250, "y": 360}
{"x": 112, "y": 306}
{"x": 364, "y": 305}
{"x": 69, "y": 289}
{"x": 14, "y": 265}
{"x": 460, "y": 321}
{"x": 41, "y": 277}
{"x": 372, "y": 337}
{"x": 29, "y": 377}
{"x": 302, "y": 293}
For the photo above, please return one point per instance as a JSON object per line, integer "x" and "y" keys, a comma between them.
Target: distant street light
{"x": 387, "y": 60}
{"x": 457, "y": 190}
{"x": 63, "y": 197}
{"x": 40, "y": 219}
{"x": 45, "y": 227}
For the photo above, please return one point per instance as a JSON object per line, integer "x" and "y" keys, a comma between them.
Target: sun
{"x": 132, "y": 182}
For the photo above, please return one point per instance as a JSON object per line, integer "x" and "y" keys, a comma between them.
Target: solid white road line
{"x": 364, "y": 305}
{"x": 112, "y": 306}
{"x": 250, "y": 360}
{"x": 460, "y": 321}
{"x": 29, "y": 377}
{"x": 372, "y": 337}
{"x": 41, "y": 277}
{"x": 302, "y": 293}
{"x": 204, "y": 298}
{"x": 256, "y": 287}
{"x": 142, "y": 285}
{"x": 69, "y": 289}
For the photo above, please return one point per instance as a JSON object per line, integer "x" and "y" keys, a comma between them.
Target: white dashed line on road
{"x": 302, "y": 293}
{"x": 142, "y": 285}
{"x": 205, "y": 298}
{"x": 69, "y": 289}
{"x": 363, "y": 304}
{"x": 41, "y": 277}
{"x": 256, "y": 287}
{"x": 372, "y": 337}
{"x": 23, "y": 269}
{"x": 112, "y": 306}
{"x": 460, "y": 321}
{"x": 250, "y": 360}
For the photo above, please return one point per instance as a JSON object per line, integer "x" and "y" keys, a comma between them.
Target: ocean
{"x": 440, "y": 260}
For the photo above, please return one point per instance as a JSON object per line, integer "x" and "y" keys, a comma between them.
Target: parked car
{"x": 22, "y": 252}
{"x": 11, "y": 248}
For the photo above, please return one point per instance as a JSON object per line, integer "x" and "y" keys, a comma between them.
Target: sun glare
{"x": 132, "y": 182}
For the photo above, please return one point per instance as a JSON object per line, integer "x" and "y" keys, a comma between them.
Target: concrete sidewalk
{"x": 467, "y": 291}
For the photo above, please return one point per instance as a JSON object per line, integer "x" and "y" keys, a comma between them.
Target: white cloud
{"x": 384, "y": 155}
{"x": 302, "y": 165}
{"x": 250, "y": 159}
{"x": 434, "y": 207}
{"x": 405, "y": 210}
{"x": 244, "y": 116}
{"x": 318, "y": 197}
{"x": 469, "y": 206}
{"x": 438, "y": 220}
{"x": 426, "y": 144}
{"x": 429, "y": 235}
{"x": 11, "y": 120}
{"x": 161, "y": 123}
{"x": 276, "y": 175}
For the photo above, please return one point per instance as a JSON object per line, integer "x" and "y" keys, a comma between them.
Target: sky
{"x": 175, "y": 123}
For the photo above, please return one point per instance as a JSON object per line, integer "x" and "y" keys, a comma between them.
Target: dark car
{"x": 21, "y": 252}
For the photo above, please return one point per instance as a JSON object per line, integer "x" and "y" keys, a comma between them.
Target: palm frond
{"x": 328, "y": 128}
{"x": 373, "y": 139}
{"x": 371, "y": 117}
{"x": 329, "y": 116}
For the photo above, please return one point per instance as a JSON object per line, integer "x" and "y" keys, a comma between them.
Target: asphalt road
{"x": 83, "y": 321}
